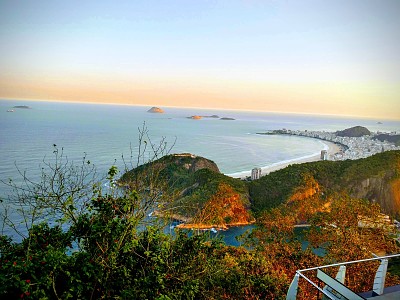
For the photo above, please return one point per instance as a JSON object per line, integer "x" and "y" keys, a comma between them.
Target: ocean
{"x": 105, "y": 133}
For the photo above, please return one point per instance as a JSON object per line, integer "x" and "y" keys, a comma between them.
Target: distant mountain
{"x": 356, "y": 131}
{"x": 156, "y": 110}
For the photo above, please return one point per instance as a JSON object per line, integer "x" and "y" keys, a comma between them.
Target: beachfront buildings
{"x": 351, "y": 147}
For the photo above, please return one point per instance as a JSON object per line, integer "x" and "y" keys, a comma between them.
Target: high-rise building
{"x": 324, "y": 155}
{"x": 255, "y": 173}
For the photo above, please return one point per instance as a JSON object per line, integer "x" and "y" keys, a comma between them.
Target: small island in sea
{"x": 22, "y": 106}
{"x": 156, "y": 110}
{"x": 195, "y": 117}
{"x": 198, "y": 117}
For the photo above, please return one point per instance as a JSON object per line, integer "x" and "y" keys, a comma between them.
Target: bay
{"x": 106, "y": 132}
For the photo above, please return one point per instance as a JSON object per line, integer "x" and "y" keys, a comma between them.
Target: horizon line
{"x": 202, "y": 108}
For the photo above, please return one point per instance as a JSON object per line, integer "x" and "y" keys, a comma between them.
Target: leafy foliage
{"x": 333, "y": 176}
{"x": 193, "y": 182}
{"x": 102, "y": 246}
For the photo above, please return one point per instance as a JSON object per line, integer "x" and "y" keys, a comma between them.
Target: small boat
{"x": 213, "y": 230}
{"x": 10, "y": 110}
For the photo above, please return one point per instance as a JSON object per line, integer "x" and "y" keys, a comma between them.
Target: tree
{"x": 354, "y": 229}
{"x": 66, "y": 211}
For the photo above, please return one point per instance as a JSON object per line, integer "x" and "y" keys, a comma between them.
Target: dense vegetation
{"x": 85, "y": 243}
{"x": 334, "y": 176}
{"x": 193, "y": 185}
{"x": 196, "y": 180}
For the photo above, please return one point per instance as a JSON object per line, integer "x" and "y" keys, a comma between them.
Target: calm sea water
{"x": 106, "y": 132}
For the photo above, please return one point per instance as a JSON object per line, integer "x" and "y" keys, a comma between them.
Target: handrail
{"x": 316, "y": 286}
{"x": 350, "y": 262}
{"x": 292, "y": 291}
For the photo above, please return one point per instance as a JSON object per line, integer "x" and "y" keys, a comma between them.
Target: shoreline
{"x": 199, "y": 226}
{"x": 330, "y": 147}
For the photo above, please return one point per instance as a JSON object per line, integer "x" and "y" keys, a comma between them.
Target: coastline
{"x": 200, "y": 226}
{"x": 330, "y": 147}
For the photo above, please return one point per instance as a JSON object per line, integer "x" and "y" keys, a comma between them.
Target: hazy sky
{"x": 328, "y": 57}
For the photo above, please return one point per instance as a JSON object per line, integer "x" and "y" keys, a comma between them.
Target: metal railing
{"x": 335, "y": 288}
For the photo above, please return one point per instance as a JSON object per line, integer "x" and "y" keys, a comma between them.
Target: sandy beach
{"x": 331, "y": 148}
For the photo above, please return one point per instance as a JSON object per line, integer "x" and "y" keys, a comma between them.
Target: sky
{"x": 320, "y": 57}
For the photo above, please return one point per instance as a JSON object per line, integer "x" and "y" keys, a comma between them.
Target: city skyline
{"x": 318, "y": 57}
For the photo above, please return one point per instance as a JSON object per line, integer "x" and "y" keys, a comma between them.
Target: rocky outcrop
{"x": 356, "y": 131}
{"x": 376, "y": 178}
{"x": 192, "y": 162}
{"x": 156, "y": 110}
{"x": 224, "y": 208}
{"x": 383, "y": 189}
{"x": 195, "y": 117}
{"x": 212, "y": 116}
{"x": 170, "y": 165}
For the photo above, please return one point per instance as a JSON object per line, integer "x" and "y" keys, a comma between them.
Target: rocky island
{"x": 212, "y": 116}
{"x": 22, "y": 106}
{"x": 156, "y": 110}
{"x": 198, "y": 117}
{"x": 195, "y": 117}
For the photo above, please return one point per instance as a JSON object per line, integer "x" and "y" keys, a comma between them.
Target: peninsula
{"x": 200, "y": 196}
{"x": 195, "y": 117}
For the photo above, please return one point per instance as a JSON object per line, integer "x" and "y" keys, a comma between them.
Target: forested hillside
{"x": 198, "y": 192}
{"x": 376, "y": 178}
{"x": 85, "y": 243}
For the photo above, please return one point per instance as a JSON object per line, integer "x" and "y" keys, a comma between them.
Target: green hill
{"x": 376, "y": 178}
{"x": 196, "y": 186}
{"x": 198, "y": 192}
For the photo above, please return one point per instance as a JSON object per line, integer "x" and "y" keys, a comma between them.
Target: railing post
{"x": 292, "y": 292}
{"x": 340, "y": 276}
{"x": 380, "y": 277}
